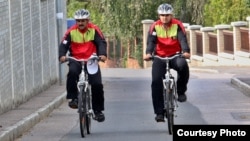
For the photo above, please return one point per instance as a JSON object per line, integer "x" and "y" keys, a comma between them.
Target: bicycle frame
{"x": 169, "y": 78}
{"x": 169, "y": 92}
{"x": 84, "y": 97}
{"x": 169, "y": 81}
{"x": 84, "y": 82}
{"x": 83, "y": 77}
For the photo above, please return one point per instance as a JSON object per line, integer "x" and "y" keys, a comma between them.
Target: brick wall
{"x": 28, "y": 49}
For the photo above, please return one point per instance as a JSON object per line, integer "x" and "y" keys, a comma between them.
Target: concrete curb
{"x": 15, "y": 131}
{"x": 245, "y": 88}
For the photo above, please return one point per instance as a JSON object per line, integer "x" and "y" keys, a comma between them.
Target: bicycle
{"x": 85, "y": 110}
{"x": 169, "y": 93}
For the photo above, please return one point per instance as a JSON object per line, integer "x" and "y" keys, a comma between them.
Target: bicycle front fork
{"x": 170, "y": 88}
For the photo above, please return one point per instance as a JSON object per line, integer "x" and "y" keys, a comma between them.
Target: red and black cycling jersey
{"x": 166, "y": 41}
{"x": 81, "y": 44}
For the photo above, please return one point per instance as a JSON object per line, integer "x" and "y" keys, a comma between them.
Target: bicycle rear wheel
{"x": 170, "y": 107}
{"x": 83, "y": 118}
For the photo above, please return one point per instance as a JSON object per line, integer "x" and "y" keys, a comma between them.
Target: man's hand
{"x": 62, "y": 59}
{"x": 186, "y": 55}
{"x": 148, "y": 57}
{"x": 103, "y": 58}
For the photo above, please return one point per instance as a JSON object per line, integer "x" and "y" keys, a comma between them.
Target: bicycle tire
{"x": 170, "y": 107}
{"x": 88, "y": 104}
{"x": 82, "y": 112}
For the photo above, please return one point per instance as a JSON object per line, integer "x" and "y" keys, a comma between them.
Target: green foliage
{"x": 74, "y": 5}
{"x": 138, "y": 54}
{"x": 248, "y": 3}
{"x": 122, "y": 18}
{"x": 225, "y": 11}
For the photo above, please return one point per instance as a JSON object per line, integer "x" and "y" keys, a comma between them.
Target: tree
{"x": 73, "y": 5}
{"x": 224, "y": 12}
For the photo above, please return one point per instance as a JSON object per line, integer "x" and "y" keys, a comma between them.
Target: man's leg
{"x": 97, "y": 95}
{"x": 158, "y": 70}
{"x": 182, "y": 68}
{"x": 71, "y": 84}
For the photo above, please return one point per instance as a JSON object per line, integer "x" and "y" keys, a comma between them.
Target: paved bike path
{"x": 21, "y": 119}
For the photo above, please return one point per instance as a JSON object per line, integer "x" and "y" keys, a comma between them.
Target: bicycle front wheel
{"x": 82, "y": 109}
{"x": 170, "y": 107}
{"x": 89, "y": 106}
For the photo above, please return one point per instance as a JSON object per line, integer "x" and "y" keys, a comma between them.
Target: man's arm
{"x": 101, "y": 45}
{"x": 64, "y": 47}
{"x": 151, "y": 44}
{"x": 182, "y": 38}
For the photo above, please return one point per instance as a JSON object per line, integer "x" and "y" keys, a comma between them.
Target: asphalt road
{"x": 129, "y": 113}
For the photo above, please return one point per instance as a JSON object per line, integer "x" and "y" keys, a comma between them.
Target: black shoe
{"x": 159, "y": 118}
{"x": 73, "y": 104}
{"x": 182, "y": 98}
{"x": 99, "y": 116}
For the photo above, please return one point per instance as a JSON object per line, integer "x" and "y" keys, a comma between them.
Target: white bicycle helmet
{"x": 82, "y": 14}
{"x": 165, "y": 9}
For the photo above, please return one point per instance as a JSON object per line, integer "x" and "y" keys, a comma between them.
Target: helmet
{"x": 82, "y": 14}
{"x": 165, "y": 9}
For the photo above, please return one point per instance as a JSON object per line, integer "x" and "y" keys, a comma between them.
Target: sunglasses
{"x": 83, "y": 20}
{"x": 165, "y": 15}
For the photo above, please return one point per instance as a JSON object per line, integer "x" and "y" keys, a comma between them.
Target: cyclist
{"x": 82, "y": 40}
{"x": 166, "y": 37}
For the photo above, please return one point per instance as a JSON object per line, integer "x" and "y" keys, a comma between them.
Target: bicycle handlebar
{"x": 92, "y": 57}
{"x": 168, "y": 58}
